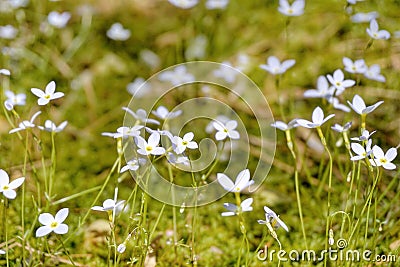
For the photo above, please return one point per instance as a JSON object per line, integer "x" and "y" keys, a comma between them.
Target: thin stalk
{"x": 323, "y": 140}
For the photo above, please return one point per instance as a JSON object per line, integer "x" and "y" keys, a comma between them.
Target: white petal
{"x": 188, "y": 136}
{"x": 227, "y": 213}
{"x": 46, "y": 218}
{"x": 225, "y": 182}
{"x": 61, "y": 229}
{"x": 242, "y": 179}
{"x": 4, "y": 178}
{"x": 318, "y": 115}
{"x": 42, "y": 231}
{"x": 61, "y": 215}
{"x": 158, "y": 151}
{"x": 378, "y": 152}
{"x": 389, "y": 166}
{"x": 51, "y": 88}
{"x": 234, "y": 134}
{"x": 154, "y": 139}
{"x": 16, "y": 183}
{"x": 246, "y": 203}
{"x": 357, "y": 148}
{"x": 391, "y": 154}
{"x": 230, "y": 125}
{"x": 220, "y": 135}
{"x": 9, "y": 193}
{"x": 57, "y": 95}
{"x": 37, "y": 92}
{"x": 43, "y": 101}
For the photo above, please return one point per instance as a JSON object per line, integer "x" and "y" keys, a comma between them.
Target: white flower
{"x": 52, "y": 127}
{"x": 151, "y": 147}
{"x": 361, "y": 152}
{"x": 150, "y": 58}
{"x": 296, "y": 9}
{"x": 340, "y": 129}
{"x": 274, "y": 66}
{"x": 140, "y": 115}
{"x": 364, "y": 17}
{"x": 353, "y": 2}
{"x": 14, "y": 100}
{"x": 5, "y": 72}
{"x": 48, "y": 94}
{"x": 26, "y": 124}
{"x": 178, "y": 159}
{"x": 358, "y": 66}
{"x": 118, "y": 33}
{"x": 18, "y": 3}
{"x": 8, "y": 32}
{"x": 161, "y": 132}
{"x": 374, "y": 32}
{"x": 234, "y": 210}
{"x": 242, "y": 181}
{"x": 7, "y": 188}
{"x": 108, "y": 205}
{"x": 138, "y": 87}
{"x": 178, "y": 76}
{"x": 317, "y": 119}
{"x": 197, "y": 48}
{"x": 131, "y": 165}
{"x": 216, "y": 4}
{"x": 283, "y": 126}
{"x": 121, "y": 248}
{"x": 365, "y": 135}
{"x": 382, "y": 159}
{"x": 125, "y": 132}
{"x": 58, "y": 20}
{"x": 220, "y": 118}
{"x": 338, "y": 81}
{"x": 374, "y": 73}
{"x": 323, "y": 89}
{"x": 184, "y": 4}
{"x": 359, "y": 106}
{"x": 226, "y": 130}
{"x": 163, "y": 113}
{"x": 185, "y": 142}
{"x": 273, "y": 219}
{"x": 53, "y": 224}
{"x": 337, "y": 105}
{"x": 226, "y": 72}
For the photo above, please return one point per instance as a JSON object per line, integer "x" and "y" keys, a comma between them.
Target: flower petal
{"x": 43, "y": 230}
{"x": 16, "y": 183}
{"x": 242, "y": 179}
{"x": 61, "y": 215}
{"x": 391, "y": 154}
{"x": 318, "y": 115}
{"x": 61, "y": 229}
{"x": 225, "y": 182}
{"x": 10, "y": 194}
{"x": 46, "y": 218}
{"x": 4, "y": 178}
{"x": 50, "y": 88}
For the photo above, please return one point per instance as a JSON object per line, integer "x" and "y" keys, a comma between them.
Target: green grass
{"x": 94, "y": 77}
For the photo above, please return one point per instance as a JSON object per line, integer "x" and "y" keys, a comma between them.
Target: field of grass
{"x": 332, "y": 193}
